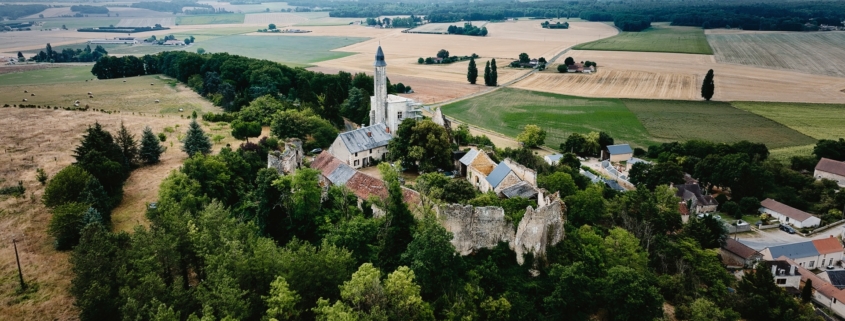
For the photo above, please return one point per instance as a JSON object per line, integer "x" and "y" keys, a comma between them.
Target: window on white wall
{"x": 781, "y": 281}
{"x": 811, "y": 264}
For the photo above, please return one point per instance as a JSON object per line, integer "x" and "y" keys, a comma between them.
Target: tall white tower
{"x": 378, "y": 103}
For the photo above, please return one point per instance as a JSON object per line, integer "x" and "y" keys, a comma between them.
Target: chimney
{"x": 369, "y": 134}
{"x": 774, "y": 269}
{"x": 792, "y": 270}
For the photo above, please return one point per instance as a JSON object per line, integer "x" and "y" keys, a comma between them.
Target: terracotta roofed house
{"x": 787, "y": 214}
{"x": 826, "y": 294}
{"x": 810, "y": 254}
{"x": 830, "y": 169}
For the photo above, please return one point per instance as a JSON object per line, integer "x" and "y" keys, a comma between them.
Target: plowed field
{"x": 813, "y": 53}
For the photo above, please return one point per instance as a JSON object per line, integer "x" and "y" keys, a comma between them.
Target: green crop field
{"x": 672, "y": 120}
{"x": 658, "y": 38}
{"x": 47, "y": 76}
{"x": 820, "y": 121}
{"x": 233, "y": 18}
{"x": 785, "y": 153}
{"x": 291, "y": 50}
{"x": 76, "y": 23}
{"x": 508, "y": 110}
{"x": 637, "y": 122}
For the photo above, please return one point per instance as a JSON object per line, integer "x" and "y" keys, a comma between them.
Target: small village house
{"x": 810, "y": 254}
{"x": 359, "y": 148}
{"x": 834, "y": 277}
{"x": 825, "y": 294}
{"x": 478, "y": 166}
{"x": 617, "y": 153}
{"x": 785, "y": 274}
{"x": 787, "y": 214}
{"x": 699, "y": 203}
{"x": 738, "y": 254}
{"x": 830, "y": 169}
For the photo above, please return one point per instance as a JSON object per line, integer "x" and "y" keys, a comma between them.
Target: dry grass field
{"x": 817, "y": 53}
{"x": 505, "y": 42}
{"x": 650, "y": 71}
{"x": 39, "y": 138}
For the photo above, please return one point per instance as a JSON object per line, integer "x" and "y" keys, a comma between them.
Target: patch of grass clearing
{"x": 674, "y": 120}
{"x": 63, "y": 74}
{"x": 785, "y": 153}
{"x": 295, "y": 51}
{"x": 507, "y": 111}
{"x": 658, "y": 38}
{"x": 820, "y": 121}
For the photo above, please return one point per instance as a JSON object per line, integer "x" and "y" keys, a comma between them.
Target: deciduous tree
{"x": 532, "y": 136}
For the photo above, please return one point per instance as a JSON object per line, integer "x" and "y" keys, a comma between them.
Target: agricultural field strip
{"x": 813, "y": 53}
{"x": 146, "y": 22}
{"x": 820, "y": 121}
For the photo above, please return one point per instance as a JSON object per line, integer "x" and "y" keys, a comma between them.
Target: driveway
{"x": 772, "y": 237}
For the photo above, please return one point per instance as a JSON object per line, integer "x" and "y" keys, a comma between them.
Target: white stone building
{"x": 787, "y": 214}
{"x": 830, "y": 169}
{"x": 359, "y": 148}
{"x": 389, "y": 109}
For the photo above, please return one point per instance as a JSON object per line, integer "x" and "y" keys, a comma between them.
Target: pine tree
{"x": 151, "y": 150}
{"x": 494, "y": 76}
{"x": 128, "y": 145}
{"x": 472, "y": 71}
{"x": 487, "y": 75}
{"x": 91, "y": 216}
{"x": 708, "y": 87}
{"x": 49, "y": 50}
{"x": 195, "y": 140}
{"x": 95, "y": 196}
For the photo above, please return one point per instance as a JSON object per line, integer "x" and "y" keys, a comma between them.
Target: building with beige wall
{"x": 359, "y": 148}
{"x": 830, "y": 169}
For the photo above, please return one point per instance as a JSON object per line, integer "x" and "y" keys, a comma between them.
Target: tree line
{"x": 89, "y": 9}
{"x": 15, "y": 11}
{"x": 171, "y": 6}
{"x": 69, "y": 55}
{"x": 468, "y": 29}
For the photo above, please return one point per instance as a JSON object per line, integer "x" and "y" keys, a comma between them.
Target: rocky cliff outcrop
{"x": 475, "y": 228}
{"x": 539, "y": 229}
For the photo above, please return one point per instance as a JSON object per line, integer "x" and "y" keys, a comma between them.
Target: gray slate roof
{"x": 521, "y": 189}
{"x": 469, "y": 157}
{"x": 795, "y": 250}
{"x": 837, "y": 278}
{"x": 593, "y": 178}
{"x": 379, "y": 58}
{"x": 341, "y": 174}
{"x": 619, "y": 149}
{"x": 498, "y": 174}
{"x": 614, "y": 185}
{"x": 366, "y": 138}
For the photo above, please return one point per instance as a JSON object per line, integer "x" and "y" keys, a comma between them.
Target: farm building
{"x": 359, "y": 148}
{"x": 508, "y": 173}
{"x": 810, "y": 254}
{"x": 116, "y": 40}
{"x": 174, "y": 43}
{"x": 700, "y": 203}
{"x": 830, "y": 169}
{"x": 553, "y": 159}
{"x": 617, "y": 153}
{"x": 787, "y": 214}
{"x": 738, "y": 254}
{"x": 478, "y": 166}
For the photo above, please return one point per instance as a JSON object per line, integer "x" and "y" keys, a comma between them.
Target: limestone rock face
{"x": 475, "y": 228}
{"x": 539, "y": 229}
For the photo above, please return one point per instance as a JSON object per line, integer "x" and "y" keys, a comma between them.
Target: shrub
{"x": 16, "y": 190}
{"x": 66, "y": 224}
{"x": 562, "y": 68}
{"x": 41, "y": 176}
{"x": 162, "y": 137}
{"x": 66, "y": 186}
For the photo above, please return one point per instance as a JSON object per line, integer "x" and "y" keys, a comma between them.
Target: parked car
{"x": 787, "y": 229}
{"x": 316, "y": 151}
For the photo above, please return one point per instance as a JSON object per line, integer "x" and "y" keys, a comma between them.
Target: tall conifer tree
{"x": 472, "y": 71}
{"x": 487, "y": 75}
{"x": 196, "y": 141}
{"x": 708, "y": 87}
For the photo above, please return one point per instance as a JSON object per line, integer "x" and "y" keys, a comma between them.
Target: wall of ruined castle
{"x": 538, "y": 230}
{"x": 524, "y": 173}
{"x": 289, "y": 160}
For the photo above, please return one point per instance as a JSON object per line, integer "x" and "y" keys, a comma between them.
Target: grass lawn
{"x": 658, "y": 38}
{"x": 290, "y": 50}
{"x": 210, "y": 19}
{"x": 670, "y": 120}
{"x": 56, "y": 75}
{"x": 508, "y": 110}
{"x": 820, "y": 121}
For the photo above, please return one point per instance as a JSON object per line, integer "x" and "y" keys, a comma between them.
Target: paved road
{"x": 773, "y": 237}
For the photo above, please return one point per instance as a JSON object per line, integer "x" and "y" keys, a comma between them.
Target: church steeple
{"x": 378, "y": 103}
{"x": 379, "y": 58}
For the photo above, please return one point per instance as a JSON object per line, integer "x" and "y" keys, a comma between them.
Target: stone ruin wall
{"x": 288, "y": 161}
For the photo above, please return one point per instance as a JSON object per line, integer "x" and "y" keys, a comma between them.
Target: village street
{"x": 759, "y": 240}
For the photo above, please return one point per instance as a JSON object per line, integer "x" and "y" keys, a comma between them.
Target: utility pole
{"x": 20, "y": 274}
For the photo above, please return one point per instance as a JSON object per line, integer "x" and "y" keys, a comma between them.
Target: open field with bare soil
{"x": 817, "y": 53}
{"x": 679, "y": 76}
{"x": 505, "y": 42}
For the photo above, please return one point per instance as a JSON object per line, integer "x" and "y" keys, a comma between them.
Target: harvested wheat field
{"x": 39, "y": 138}
{"x": 650, "y": 72}
{"x": 427, "y": 91}
{"x": 505, "y": 42}
{"x": 819, "y": 53}
{"x": 146, "y": 22}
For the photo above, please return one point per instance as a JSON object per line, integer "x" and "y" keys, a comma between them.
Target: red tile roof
{"x": 325, "y": 163}
{"x": 831, "y": 166}
{"x": 828, "y": 245}
{"x": 819, "y": 284}
{"x": 739, "y": 249}
{"x": 784, "y": 209}
{"x": 682, "y": 207}
{"x": 362, "y": 185}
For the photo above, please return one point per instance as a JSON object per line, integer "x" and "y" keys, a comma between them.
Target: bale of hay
{"x": 33, "y": 95}
{"x": 90, "y": 96}
{"x": 25, "y": 91}
{"x": 156, "y": 101}
{"x": 24, "y": 99}
{"x": 89, "y": 92}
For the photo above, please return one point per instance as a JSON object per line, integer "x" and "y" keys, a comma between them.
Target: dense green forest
{"x": 171, "y": 6}
{"x": 89, "y": 9}
{"x": 748, "y": 15}
{"x": 15, "y": 11}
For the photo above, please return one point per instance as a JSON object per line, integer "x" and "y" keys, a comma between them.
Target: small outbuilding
{"x": 617, "y": 153}
{"x": 830, "y": 169}
{"x": 738, "y": 254}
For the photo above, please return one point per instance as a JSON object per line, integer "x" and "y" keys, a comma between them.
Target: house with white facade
{"x": 359, "y": 148}
{"x": 824, "y": 294}
{"x": 830, "y": 169}
{"x": 386, "y": 109}
{"x": 810, "y": 254}
{"x": 786, "y": 275}
{"x": 787, "y": 214}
